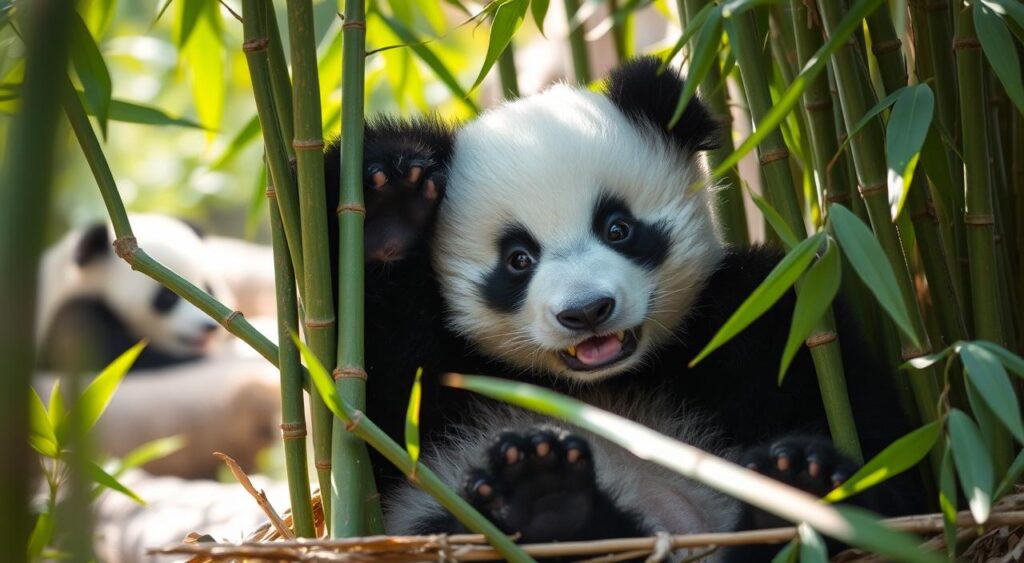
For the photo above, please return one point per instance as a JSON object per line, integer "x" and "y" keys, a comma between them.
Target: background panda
{"x": 554, "y": 239}
{"x": 93, "y": 306}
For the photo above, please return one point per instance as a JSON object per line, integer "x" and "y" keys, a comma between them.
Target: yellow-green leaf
{"x": 41, "y": 435}
{"x": 204, "y": 56}
{"x": 905, "y": 134}
{"x": 868, "y": 259}
{"x": 973, "y": 464}
{"x": 539, "y": 10}
{"x": 100, "y": 391}
{"x": 948, "y": 499}
{"x": 818, "y": 289}
{"x": 898, "y": 457}
{"x": 150, "y": 451}
{"x": 705, "y": 53}
{"x": 56, "y": 411}
{"x": 507, "y": 19}
{"x": 775, "y": 220}
{"x": 779, "y": 280}
{"x": 102, "y": 478}
{"x": 412, "y": 419}
{"x": 323, "y": 382}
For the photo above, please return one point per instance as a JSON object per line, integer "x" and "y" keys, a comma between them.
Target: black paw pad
{"x": 538, "y": 483}
{"x": 810, "y": 464}
{"x": 401, "y": 195}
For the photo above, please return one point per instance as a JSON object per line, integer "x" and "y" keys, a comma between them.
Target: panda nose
{"x": 589, "y": 315}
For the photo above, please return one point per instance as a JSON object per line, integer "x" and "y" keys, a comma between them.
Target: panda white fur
{"x": 93, "y": 306}
{"x": 555, "y": 239}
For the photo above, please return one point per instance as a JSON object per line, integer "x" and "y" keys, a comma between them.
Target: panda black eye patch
{"x": 504, "y": 289}
{"x": 164, "y": 300}
{"x": 642, "y": 242}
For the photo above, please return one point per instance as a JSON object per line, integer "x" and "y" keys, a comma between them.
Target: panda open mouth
{"x": 600, "y": 351}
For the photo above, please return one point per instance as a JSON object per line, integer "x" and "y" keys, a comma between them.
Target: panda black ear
{"x": 94, "y": 244}
{"x": 646, "y": 96}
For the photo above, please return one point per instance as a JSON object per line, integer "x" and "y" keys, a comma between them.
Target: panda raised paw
{"x": 401, "y": 192}
{"x": 539, "y": 484}
{"x": 810, "y": 464}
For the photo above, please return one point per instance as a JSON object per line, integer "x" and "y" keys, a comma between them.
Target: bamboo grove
{"x": 889, "y": 147}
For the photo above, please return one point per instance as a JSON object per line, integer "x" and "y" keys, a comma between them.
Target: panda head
{"x": 148, "y": 309}
{"x": 570, "y": 240}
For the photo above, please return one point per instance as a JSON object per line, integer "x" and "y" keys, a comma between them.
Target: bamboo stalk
{"x": 781, "y": 193}
{"x": 979, "y": 221}
{"x": 507, "y": 72}
{"x": 622, "y": 30}
{"x": 578, "y": 44}
{"x": 932, "y": 247}
{"x": 127, "y": 247}
{"x": 353, "y": 476}
{"x": 293, "y": 417}
{"x": 729, "y": 209}
{"x": 318, "y": 303}
{"x": 254, "y": 27}
{"x": 27, "y": 176}
{"x": 280, "y": 81}
{"x": 869, "y": 163}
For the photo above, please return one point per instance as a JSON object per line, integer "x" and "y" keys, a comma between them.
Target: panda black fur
{"x": 560, "y": 216}
{"x": 93, "y": 307}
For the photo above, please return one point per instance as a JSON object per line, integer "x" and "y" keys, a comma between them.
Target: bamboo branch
{"x": 578, "y": 43}
{"x": 507, "y": 72}
{"x": 318, "y": 303}
{"x": 27, "y": 176}
{"x": 353, "y": 476}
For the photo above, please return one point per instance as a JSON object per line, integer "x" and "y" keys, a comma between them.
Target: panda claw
{"x": 430, "y": 190}
{"x": 380, "y": 179}
{"x": 414, "y": 173}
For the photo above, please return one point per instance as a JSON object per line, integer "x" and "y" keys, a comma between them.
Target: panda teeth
{"x": 621, "y": 335}
{"x": 571, "y": 350}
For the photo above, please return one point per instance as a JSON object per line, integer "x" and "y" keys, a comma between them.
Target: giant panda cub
{"x": 93, "y": 306}
{"x": 554, "y": 239}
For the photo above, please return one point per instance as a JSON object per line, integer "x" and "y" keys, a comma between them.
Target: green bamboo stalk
{"x": 932, "y": 247}
{"x": 254, "y": 28}
{"x": 318, "y": 303}
{"x": 1017, "y": 177}
{"x": 280, "y": 81}
{"x": 293, "y": 417}
{"x": 622, "y": 31}
{"x": 978, "y": 218}
{"x": 729, "y": 209}
{"x": 507, "y": 72}
{"x": 869, "y": 163}
{"x": 935, "y": 25}
{"x": 578, "y": 44}
{"x": 353, "y": 476}
{"x": 27, "y": 175}
{"x": 781, "y": 193}
{"x": 127, "y": 247}
{"x": 833, "y": 178}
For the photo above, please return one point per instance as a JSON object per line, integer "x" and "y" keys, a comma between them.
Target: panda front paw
{"x": 811, "y": 464}
{"x": 401, "y": 192}
{"x": 539, "y": 484}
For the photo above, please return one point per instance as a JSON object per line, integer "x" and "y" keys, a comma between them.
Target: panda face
{"x": 170, "y": 324}
{"x": 569, "y": 241}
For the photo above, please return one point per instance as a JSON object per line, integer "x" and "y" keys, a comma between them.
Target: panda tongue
{"x": 598, "y": 349}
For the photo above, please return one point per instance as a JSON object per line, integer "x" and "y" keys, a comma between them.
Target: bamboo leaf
{"x": 898, "y": 457}
{"x": 41, "y": 435}
{"x": 1012, "y": 474}
{"x": 872, "y": 113}
{"x": 818, "y": 289}
{"x": 412, "y": 420}
{"x": 948, "y": 499}
{"x": 98, "y": 14}
{"x": 131, "y": 112}
{"x": 695, "y": 24}
{"x": 1012, "y": 12}
{"x": 539, "y": 10}
{"x": 432, "y": 12}
{"x": 432, "y": 60}
{"x": 993, "y": 385}
{"x": 788, "y": 554}
{"x": 788, "y": 100}
{"x": 905, "y": 134}
{"x": 323, "y": 382}
{"x": 105, "y": 479}
{"x": 705, "y": 53}
{"x": 973, "y": 464}
{"x": 869, "y": 261}
{"x": 150, "y": 451}
{"x": 100, "y": 391}
{"x": 925, "y": 362}
{"x": 779, "y": 280}
{"x": 775, "y": 220}
{"x": 1010, "y": 361}
{"x": 188, "y": 19}
{"x": 507, "y": 19}
{"x": 205, "y": 60}
{"x": 42, "y": 533}
{"x": 56, "y": 411}
{"x": 92, "y": 72}
{"x": 812, "y": 547}
{"x": 1000, "y": 51}
{"x": 849, "y": 524}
